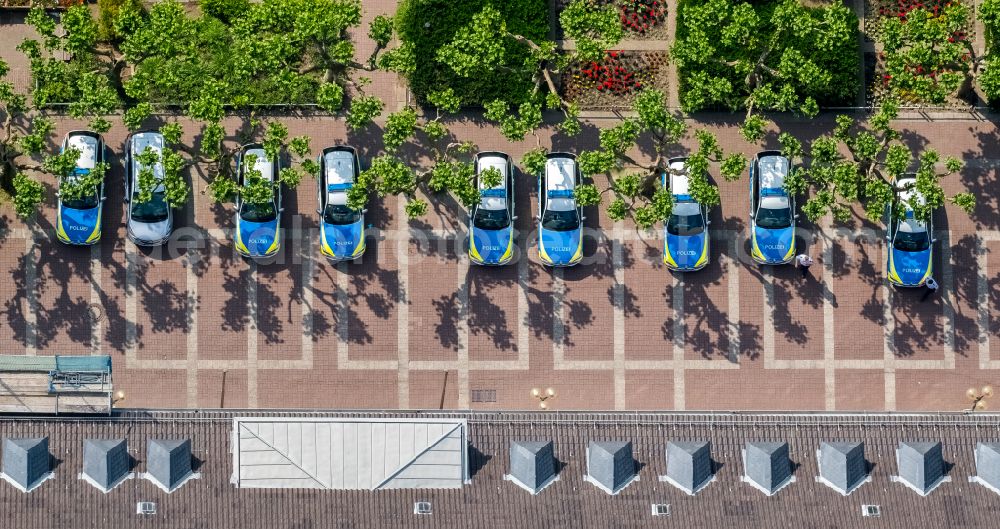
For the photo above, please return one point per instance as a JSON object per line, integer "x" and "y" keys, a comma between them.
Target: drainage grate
{"x": 145, "y": 507}
{"x": 422, "y": 507}
{"x": 661, "y": 509}
{"x": 484, "y": 395}
{"x": 871, "y": 510}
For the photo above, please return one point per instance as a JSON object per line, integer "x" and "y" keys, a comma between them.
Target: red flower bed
{"x": 902, "y": 7}
{"x": 611, "y": 75}
{"x": 640, "y": 15}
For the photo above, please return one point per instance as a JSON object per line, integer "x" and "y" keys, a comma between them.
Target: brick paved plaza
{"x": 413, "y": 325}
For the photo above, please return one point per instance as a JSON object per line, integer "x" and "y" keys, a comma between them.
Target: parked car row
{"x": 686, "y": 237}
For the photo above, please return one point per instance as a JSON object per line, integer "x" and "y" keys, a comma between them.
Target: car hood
{"x": 774, "y": 244}
{"x": 150, "y": 231}
{"x": 259, "y": 238}
{"x": 492, "y": 246}
{"x": 911, "y": 268}
{"x": 560, "y": 247}
{"x": 343, "y": 241}
{"x": 686, "y": 251}
{"x": 78, "y": 225}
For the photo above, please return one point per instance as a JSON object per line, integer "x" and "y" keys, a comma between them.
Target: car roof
{"x": 908, "y": 192}
{"x": 153, "y": 140}
{"x": 773, "y": 170}
{"x": 493, "y": 201}
{"x": 262, "y": 164}
{"x": 87, "y": 145}
{"x": 679, "y": 183}
{"x": 339, "y": 172}
{"x": 560, "y": 180}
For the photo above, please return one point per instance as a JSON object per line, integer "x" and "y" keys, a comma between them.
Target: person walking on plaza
{"x": 932, "y": 287}
{"x": 804, "y": 262}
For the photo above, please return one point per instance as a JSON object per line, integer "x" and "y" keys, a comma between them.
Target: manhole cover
{"x": 96, "y": 312}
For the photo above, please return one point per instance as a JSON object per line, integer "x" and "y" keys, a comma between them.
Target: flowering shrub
{"x": 611, "y": 75}
{"x": 901, "y": 8}
{"x": 640, "y": 15}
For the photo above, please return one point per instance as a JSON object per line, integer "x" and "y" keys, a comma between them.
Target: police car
{"x": 491, "y": 222}
{"x": 911, "y": 244}
{"x": 685, "y": 233}
{"x": 342, "y": 229}
{"x": 772, "y": 210}
{"x": 560, "y": 218}
{"x": 258, "y": 226}
{"x": 79, "y": 219}
{"x": 148, "y": 223}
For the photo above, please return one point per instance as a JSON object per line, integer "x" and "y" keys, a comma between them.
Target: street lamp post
{"x": 543, "y": 396}
{"x": 978, "y": 397}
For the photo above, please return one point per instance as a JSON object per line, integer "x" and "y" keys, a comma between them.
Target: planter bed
{"x": 614, "y": 82}
{"x": 642, "y": 19}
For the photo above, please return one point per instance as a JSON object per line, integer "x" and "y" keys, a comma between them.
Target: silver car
{"x": 149, "y": 223}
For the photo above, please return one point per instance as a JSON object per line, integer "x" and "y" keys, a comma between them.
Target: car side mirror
{"x": 364, "y": 210}
{"x": 933, "y": 241}
{"x": 582, "y": 218}
{"x": 58, "y": 194}
{"x": 514, "y": 217}
{"x": 103, "y": 199}
{"x": 708, "y": 223}
{"x": 125, "y": 198}
{"x": 796, "y": 216}
{"x": 319, "y": 211}
{"x": 280, "y": 210}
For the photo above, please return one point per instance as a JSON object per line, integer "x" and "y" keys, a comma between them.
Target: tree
{"x": 772, "y": 55}
{"x": 876, "y": 159}
{"x": 635, "y": 186}
{"x": 18, "y": 141}
{"x": 926, "y": 54}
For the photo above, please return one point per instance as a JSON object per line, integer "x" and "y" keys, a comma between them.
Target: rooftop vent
{"x": 842, "y": 465}
{"x": 532, "y": 465}
{"x": 689, "y": 465}
{"x": 767, "y": 467}
{"x": 988, "y": 466}
{"x": 422, "y": 507}
{"x": 168, "y": 463}
{"x": 145, "y": 507}
{"x": 921, "y": 466}
{"x": 106, "y": 463}
{"x": 661, "y": 509}
{"x": 26, "y": 462}
{"x": 871, "y": 511}
{"x": 610, "y": 465}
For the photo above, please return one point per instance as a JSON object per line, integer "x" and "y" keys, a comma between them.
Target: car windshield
{"x": 911, "y": 241}
{"x": 685, "y": 224}
{"x": 153, "y": 211}
{"x": 774, "y": 218}
{"x": 86, "y": 202}
{"x": 258, "y": 212}
{"x": 491, "y": 219}
{"x": 561, "y": 220}
{"x": 340, "y": 215}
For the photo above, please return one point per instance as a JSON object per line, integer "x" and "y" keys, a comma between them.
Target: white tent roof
{"x": 349, "y": 454}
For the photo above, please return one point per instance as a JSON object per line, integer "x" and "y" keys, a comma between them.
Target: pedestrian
{"x": 932, "y": 287}
{"x": 804, "y": 262}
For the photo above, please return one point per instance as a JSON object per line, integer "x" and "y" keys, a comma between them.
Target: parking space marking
{"x": 30, "y": 294}
{"x": 829, "y": 349}
{"x": 252, "y": 322}
{"x": 618, "y": 306}
{"x": 733, "y": 314}
{"x": 131, "y": 305}
{"x": 462, "y": 279}
{"x": 948, "y": 301}
{"x": 889, "y": 356}
{"x": 403, "y": 308}
{"x": 983, "y": 298}
{"x": 191, "y": 281}
{"x": 95, "y": 300}
{"x": 679, "y": 339}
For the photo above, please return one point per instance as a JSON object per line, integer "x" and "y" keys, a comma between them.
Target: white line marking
{"x": 889, "y": 357}
{"x": 251, "y": 330}
{"x": 679, "y": 340}
{"x": 403, "y": 316}
{"x": 30, "y": 295}
{"x": 829, "y": 350}
{"x": 618, "y": 306}
{"x": 767, "y": 334}
{"x": 462, "y": 276}
{"x": 733, "y": 316}
{"x": 523, "y": 336}
{"x": 983, "y": 299}
{"x": 558, "y": 327}
{"x": 96, "y": 325}
{"x": 947, "y": 302}
{"x": 191, "y": 259}
{"x": 131, "y": 305}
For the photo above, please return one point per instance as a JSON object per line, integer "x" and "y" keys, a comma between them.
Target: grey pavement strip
{"x": 251, "y": 330}
{"x": 618, "y": 306}
{"x": 403, "y": 315}
{"x": 95, "y": 300}
{"x": 733, "y": 314}
{"x": 983, "y": 299}
{"x": 462, "y": 277}
{"x": 191, "y": 283}
{"x": 131, "y": 305}
{"x": 679, "y": 340}
{"x": 30, "y": 294}
{"x": 829, "y": 325}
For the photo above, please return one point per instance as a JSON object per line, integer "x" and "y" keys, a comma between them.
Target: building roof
{"x": 689, "y": 465}
{"x": 532, "y": 464}
{"x": 490, "y": 502}
{"x": 26, "y": 462}
{"x": 842, "y": 465}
